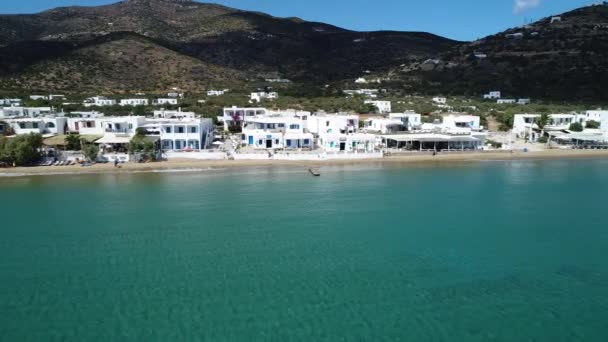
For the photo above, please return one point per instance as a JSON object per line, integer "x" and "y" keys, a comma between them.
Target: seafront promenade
{"x": 184, "y": 164}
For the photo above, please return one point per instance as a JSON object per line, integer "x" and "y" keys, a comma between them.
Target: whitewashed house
{"x": 166, "y": 101}
{"x": 526, "y": 125}
{"x": 493, "y": 95}
{"x": 332, "y": 124}
{"x": 39, "y": 125}
{"x": 133, "y": 102}
{"x": 259, "y": 96}
{"x": 38, "y": 97}
{"x": 236, "y": 115}
{"x": 31, "y": 112}
{"x": 10, "y": 102}
{"x": 506, "y": 101}
{"x": 349, "y": 143}
{"x": 99, "y": 101}
{"x": 216, "y": 92}
{"x": 457, "y": 121}
{"x": 523, "y": 101}
{"x": 440, "y": 100}
{"x": 600, "y": 116}
{"x": 173, "y": 114}
{"x": 383, "y": 125}
{"x": 275, "y": 132}
{"x": 382, "y": 106}
{"x": 181, "y": 134}
{"x": 372, "y": 93}
{"x": 410, "y": 120}
{"x": 361, "y": 80}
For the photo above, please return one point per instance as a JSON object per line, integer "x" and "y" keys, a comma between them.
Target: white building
{"x": 236, "y": 115}
{"x": 361, "y": 80}
{"x": 40, "y": 125}
{"x": 259, "y": 96}
{"x": 165, "y": 101}
{"x": 99, "y": 101}
{"x": 410, "y": 120}
{"x": 525, "y": 125}
{"x": 215, "y": 92}
{"x": 506, "y": 101}
{"x": 181, "y": 134}
{"x": 38, "y": 97}
{"x": 383, "y": 125}
{"x": 373, "y": 93}
{"x": 455, "y": 122}
{"x": 382, "y": 106}
{"x": 600, "y": 116}
{"x": 493, "y": 95}
{"x": 275, "y": 132}
{"x": 353, "y": 142}
{"x": 440, "y": 100}
{"x": 332, "y": 124}
{"x": 523, "y": 101}
{"x": 173, "y": 114}
{"x": 10, "y": 102}
{"x": 133, "y": 102}
{"x": 32, "y": 112}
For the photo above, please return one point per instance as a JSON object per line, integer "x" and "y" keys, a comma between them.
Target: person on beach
{"x": 115, "y": 162}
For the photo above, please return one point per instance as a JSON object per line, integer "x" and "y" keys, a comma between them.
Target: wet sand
{"x": 409, "y": 158}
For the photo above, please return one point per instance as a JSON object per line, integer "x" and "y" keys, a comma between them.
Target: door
{"x": 268, "y": 143}
{"x": 76, "y": 125}
{"x": 342, "y": 146}
{"x": 251, "y": 140}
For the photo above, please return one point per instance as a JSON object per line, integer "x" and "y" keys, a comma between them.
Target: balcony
{"x": 117, "y": 131}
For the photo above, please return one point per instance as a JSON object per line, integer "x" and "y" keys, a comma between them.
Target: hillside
{"x": 149, "y": 45}
{"x": 229, "y": 44}
{"x": 565, "y": 59}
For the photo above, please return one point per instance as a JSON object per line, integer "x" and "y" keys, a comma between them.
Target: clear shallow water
{"x": 504, "y": 251}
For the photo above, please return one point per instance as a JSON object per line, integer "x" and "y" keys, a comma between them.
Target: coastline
{"x": 190, "y": 165}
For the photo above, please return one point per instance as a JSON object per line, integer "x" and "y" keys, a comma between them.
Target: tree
{"x": 591, "y": 124}
{"x": 22, "y": 150}
{"x": 72, "y": 142}
{"x": 90, "y": 151}
{"x": 576, "y": 127}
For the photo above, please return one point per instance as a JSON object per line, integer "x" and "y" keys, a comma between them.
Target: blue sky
{"x": 456, "y": 19}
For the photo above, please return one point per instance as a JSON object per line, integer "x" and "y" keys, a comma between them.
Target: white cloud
{"x": 524, "y": 5}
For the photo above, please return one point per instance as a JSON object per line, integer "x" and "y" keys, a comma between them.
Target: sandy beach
{"x": 200, "y": 165}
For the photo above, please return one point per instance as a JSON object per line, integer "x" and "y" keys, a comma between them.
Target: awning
{"x": 59, "y": 140}
{"x": 113, "y": 140}
{"x": 430, "y": 138}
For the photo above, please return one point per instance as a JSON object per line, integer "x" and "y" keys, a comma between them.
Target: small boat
{"x": 315, "y": 172}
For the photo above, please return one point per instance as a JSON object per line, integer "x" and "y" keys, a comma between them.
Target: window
{"x": 168, "y": 129}
{"x": 130, "y": 126}
{"x": 294, "y": 126}
{"x": 260, "y": 142}
{"x": 326, "y": 123}
{"x": 180, "y": 129}
{"x": 50, "y": 125}
{"x": 21, "y": 125}
{"x": 35, "y": 125}
{"x": 306, "y": 141}
{"x": 192, "y": 129}
{"x": 281, "y": 125}
{"x": 276, "y": 141}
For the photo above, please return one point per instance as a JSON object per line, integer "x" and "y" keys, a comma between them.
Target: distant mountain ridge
{"x": 150, "y": 45}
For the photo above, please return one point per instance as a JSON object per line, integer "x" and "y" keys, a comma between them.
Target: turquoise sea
{"x": 489, "y": 251}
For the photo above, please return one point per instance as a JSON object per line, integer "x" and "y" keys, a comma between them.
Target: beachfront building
{"x": 433, "y": 142}
{"x": 41, "y": 125}
{"x": 117, "y": 134}
{"x": 409, "y": 119}
{"x": 526, "y": 125}
{"x": 184, "y": 134}
{"x": 165, "y": 101}
{"x": 234, "y": 116}
{"x": 98, "y": 101}
{"x": 275, "y": 132}
{"x": 383, "y": 125}
{"x": 133, "y": 102}
{"x": 20, "y": 112}
{"x": 353, "y": 142}
{"x": 10, "y": 102}
{"x": 598, "y": 115}
{"x": 460, "y": 121}
{"x": 259, "y": 96}
{"x": 383, "y": 107}
{"x": 332, "y": 123}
